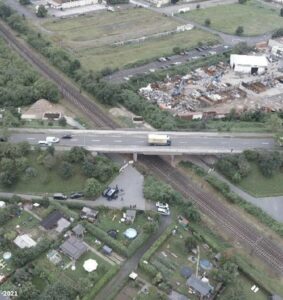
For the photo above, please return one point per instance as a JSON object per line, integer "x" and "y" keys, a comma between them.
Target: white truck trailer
{"x": 159, "y": 140}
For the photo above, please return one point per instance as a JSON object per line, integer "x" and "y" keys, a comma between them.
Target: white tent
{"x": 2, "y": 204}
{"x": 90, "y": 265}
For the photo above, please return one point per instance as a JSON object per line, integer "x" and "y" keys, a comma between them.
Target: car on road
{"x": 59, "y": 196}
{"x": 76, "y": 195}
{"x": 162, "y": 205}
{"x": 163, "y": 211}
{"x": 199, "y": 49}
{"x": 44, "y": 143}
{"x": 162, "y": 59}
{"x": 66, "y": 136}
{"x": 52, "y": 139}
{"x": 104, "y": 193}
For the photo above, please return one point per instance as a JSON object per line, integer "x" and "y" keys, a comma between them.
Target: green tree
{"x": 269, "y": 162}
{"x": 192, "y": 214}
{"x": 49, "y": 161}
{"x": 227, "y": 272}
{"x": 9, "y": 120}
{"x": 65, "y": 170}
{"x": 88, "y": 168}
{"x": 274, "y": 123}
{"x": 177, "y": 50}
{"x": 190, "y": 243}
{"x": 281, "y": 12}
{"x": 24, "y": 2}
{"x": 239, "y": 30}
{"x": 62, "y": 121}
{"x": 103, "y": 170}
{"x": 41, "y": 11}
{"x": 235, "y": 292}
{"x": 92, "y": 187}
{"x": 77, "y": 155}
{"x": 46, "y": 89}
{"x": 50, "y": 150}
{"x": 207, "y": 22}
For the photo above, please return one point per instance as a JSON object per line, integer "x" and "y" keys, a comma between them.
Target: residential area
{"x": 141, "y": 149}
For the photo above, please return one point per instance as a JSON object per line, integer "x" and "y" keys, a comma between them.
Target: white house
{"x": 248, "y": 64}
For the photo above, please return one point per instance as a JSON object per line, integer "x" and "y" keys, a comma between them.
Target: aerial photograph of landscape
{"x": 141, "y": 149}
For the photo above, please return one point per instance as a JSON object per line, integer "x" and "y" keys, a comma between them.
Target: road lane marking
{"x": 182, "y": 142}
{"x": 117, "y": 141}
{"x": 265, "y": 143}
{"x": 30, "y": 138}
{"x": 95, "y": 140}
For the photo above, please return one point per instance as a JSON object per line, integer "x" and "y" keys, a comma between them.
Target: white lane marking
{"x": 182, "y": 142}
{"x": 265, "y": 143}
{"x": 115, "y": 136}
{"x": 30, "y": 138}
{"x": 95, "y": 140}
{"x": 74, "y": 140}
{"x": 117, "y": 141}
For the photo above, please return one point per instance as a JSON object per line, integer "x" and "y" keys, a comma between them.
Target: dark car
{"x": 67, "y": 136}
{"x": 59, "y": 196}
{"x": 3, "y": 139}
{"x": 76, "y": 195}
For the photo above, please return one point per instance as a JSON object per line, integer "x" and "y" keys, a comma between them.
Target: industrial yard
{"x": 211, "y": 92}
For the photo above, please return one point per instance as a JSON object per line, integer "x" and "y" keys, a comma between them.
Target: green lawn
{"x": 246, "y": 285}
{"x": 256, "y": 17}
{"x": 260, "y": 186}
{"x": 107, "y": 28}
{"x": 113, "y": 57}
{"x": 47, "y": 181}
{"x": 106, "y": 222}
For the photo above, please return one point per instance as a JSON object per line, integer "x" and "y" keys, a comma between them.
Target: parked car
{"x": 104, "y": 193}
{"x": 162, "y": 205}
{"x": 67, "y": 136}
{"x": 44, "y": 143}
{"x": 163, "y": 211}
{"x": 76, "y": 195}
{"x": 59, "y": 196}
{"x": 3, "y": 139}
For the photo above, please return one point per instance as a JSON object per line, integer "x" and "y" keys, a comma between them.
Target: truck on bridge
{"x": 159, "y": 140}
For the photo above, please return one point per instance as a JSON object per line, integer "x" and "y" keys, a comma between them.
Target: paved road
{"x": 117, "y": 141}
{"x": 131, "y": 264}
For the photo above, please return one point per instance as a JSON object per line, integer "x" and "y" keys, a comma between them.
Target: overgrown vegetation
{"x": 19, "y": 83}
{"x": 22, "y": 169}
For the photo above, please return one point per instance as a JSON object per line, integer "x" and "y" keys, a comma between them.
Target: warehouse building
{"x": 248, "y": 64}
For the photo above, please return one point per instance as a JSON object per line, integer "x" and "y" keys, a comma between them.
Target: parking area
{"x": 130, "y": 185}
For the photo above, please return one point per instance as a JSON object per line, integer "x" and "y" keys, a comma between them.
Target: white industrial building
{"x": 248, "y": 64}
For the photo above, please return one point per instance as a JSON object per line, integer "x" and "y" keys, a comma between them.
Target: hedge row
{"x": 136, "y": 243}
{"x": 103, "y": 280}
{"x": 250, "y": 208}
{"x": 105, "y": 238}
{"x": 65, "y": 210}
{"x": 148, "y": 267}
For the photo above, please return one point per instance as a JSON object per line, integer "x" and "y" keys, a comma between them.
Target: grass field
{"x": 99, "y": 58}
{"x": 260, "y": 186}
{"x": 91, "y": 38}
{"x": 106, "y": 28}
{"x": 255, "y": 17}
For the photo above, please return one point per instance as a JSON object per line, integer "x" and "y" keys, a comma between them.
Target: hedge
{"x": 105, "y": 238}
{"x": 148, "y": 267}
{"x": 65, "y": 210}
{"x": 103, "y": 280}
{"x": 234, "y": 198}
{"x": 136, "y": 243}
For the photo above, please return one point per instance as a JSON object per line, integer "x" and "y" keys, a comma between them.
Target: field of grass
{"x": 107, "y": 28}
{"x": 91, "y": 38}
{"x": 258, "y": 185}
{"x": 256, "y": 17}
{"x": 245, "y": 285}
{"x": 113, "y": 57}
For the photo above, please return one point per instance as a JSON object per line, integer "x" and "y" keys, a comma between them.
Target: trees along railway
{"x": 265, "y": 248}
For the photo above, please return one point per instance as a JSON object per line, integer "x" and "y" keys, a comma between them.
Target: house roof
{"x": 73, "y": 247}
{"x": 2, "y": 297}
{"x": 24, "y": 241}
{"x": 89, "y": 212}
{"x": 199, "y": 286}
{"x": 78, "y": 229}
{"x": 107, "y": 249}
{"x": 62, "y": 224}
{"x": 249, "y": 60}
{"x": 276, "y": 297}
{"x": 51, "y": 220}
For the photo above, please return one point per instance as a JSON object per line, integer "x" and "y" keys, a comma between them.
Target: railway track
{"x": 265, "y": 248}
{"x": 71, "y": 93}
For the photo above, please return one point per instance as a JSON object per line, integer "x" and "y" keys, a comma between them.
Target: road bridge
{"x": 135, "y": 142}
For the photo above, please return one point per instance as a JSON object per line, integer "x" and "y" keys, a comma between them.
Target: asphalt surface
{"x": 114, "y": 141}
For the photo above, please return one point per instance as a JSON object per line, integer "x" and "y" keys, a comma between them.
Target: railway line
{"x": 71, "y": 93}
{"x": 265, "y": 248}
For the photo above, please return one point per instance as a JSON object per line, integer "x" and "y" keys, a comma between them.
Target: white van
{"x": 163, "y": 211}
{"x": 52, "y": 139}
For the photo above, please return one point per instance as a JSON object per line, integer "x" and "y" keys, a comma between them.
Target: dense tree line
{"x": 236, "y": 167}
{"x": 19, "y": 83}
